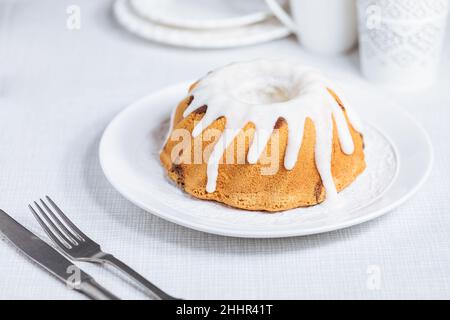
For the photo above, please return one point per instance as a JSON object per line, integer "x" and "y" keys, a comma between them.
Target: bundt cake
{"x": 264, "y": 135}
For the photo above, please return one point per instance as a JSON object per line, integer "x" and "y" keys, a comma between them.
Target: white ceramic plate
{"x": 202, "y": 14}
{"x": 398, "y": 154}
{"x": 267, "y": 30}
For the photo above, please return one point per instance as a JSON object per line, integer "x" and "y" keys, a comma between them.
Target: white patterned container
{"x": 401, "y": 41}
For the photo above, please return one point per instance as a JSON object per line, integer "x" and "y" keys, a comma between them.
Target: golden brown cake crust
{"x": 243, "y": 186}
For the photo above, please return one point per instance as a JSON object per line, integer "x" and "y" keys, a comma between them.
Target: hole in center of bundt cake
{"x": 261, "y": 91}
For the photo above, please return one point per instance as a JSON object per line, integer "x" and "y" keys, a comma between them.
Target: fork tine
{"x": 47, "y": 229}
{"x": 71, "y": 235}
{"x": 54, "y": 227}
{"x": 67, "y": 220}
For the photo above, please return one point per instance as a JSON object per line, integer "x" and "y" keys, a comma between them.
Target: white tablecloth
{"x": 60, "y": 88}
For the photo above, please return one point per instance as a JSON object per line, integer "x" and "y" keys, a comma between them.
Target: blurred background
{"x": 43, "y": 46}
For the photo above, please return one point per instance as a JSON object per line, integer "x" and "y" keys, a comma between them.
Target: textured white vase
{"x": 401, "y": 41}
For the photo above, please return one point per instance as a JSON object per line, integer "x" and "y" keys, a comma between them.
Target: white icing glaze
{"x": 262, "y": 91}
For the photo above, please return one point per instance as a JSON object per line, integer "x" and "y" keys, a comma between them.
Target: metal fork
{"x": 74, "y": 243}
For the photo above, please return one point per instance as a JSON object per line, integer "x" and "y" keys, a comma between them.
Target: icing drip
{"x": 263, "y": 91}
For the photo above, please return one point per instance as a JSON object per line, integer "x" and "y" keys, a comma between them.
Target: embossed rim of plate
{"x": 379, "y": 207}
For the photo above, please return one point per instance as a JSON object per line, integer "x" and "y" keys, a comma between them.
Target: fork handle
{"x": 151, "y": 288}
{"x": 95, "y": 291}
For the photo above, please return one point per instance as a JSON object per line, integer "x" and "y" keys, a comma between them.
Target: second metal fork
{"x": 74, "y": 243}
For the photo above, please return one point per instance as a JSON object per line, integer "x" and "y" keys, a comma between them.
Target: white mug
{"x": 322, "y": 26}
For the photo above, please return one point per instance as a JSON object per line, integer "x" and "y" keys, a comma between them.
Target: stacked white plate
{"x": 200, "y": 23}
